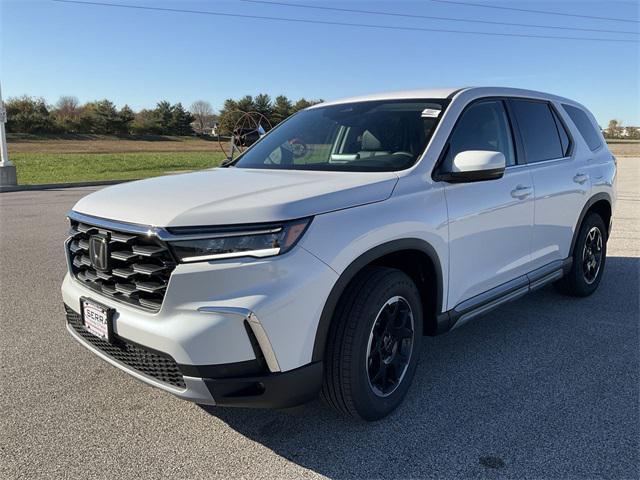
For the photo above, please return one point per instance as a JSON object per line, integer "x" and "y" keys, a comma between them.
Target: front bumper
{"x": 199, "y": 324}
{"x": 244, "y": 385}
{"x": 238, "y": 332}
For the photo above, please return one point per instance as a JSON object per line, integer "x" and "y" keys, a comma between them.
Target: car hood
{"x": 224, "y": 196}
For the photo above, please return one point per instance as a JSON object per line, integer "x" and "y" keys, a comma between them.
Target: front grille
{"x": 139, "y": 265}
{"x": 153, "y": 364}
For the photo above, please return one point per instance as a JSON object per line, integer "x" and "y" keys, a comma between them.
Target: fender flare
{"x": 592, "y": 200}
{"x": 322, "y": 332}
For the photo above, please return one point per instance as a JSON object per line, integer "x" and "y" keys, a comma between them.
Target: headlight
{"x": 218, "y": 244}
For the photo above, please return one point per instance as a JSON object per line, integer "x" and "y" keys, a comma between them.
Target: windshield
{"x": 385, "y": 135}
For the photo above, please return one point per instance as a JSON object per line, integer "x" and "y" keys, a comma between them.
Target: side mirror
{"x": 475, "y": 166}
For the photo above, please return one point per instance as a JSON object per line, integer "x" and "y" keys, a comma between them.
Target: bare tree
{"x": 68, "y": 105}
{"x": 67, "y": 113}
{"x": 202, "y": 111}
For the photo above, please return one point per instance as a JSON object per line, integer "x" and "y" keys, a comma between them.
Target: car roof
{"x": 435, "y": 93}
{"x": 444, "y": 93}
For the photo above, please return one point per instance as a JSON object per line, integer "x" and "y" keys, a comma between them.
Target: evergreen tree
{"x": 99, "y": 117}
{"x": 181, "y": 121}
{"x": 281, "y": 109}
{"x": 262, "y": 104}
{"x": 106, "y": 115}
{"x": 301, "y": 105}
{"x": 126, "y": 117}
{"x": 164, "y": 112}
{"x": 228, "y": 116}
{"x": 246, "y": 104}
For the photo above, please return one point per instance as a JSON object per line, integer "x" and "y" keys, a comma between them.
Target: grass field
{"x": 75, "y": 158}
{"x": 37, "y": 168}
{"x": 624, "y": 148}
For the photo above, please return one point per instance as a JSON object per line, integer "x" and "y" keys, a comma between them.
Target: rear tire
{"x": 589, "y": 257}
{"x": 373, "y": 345}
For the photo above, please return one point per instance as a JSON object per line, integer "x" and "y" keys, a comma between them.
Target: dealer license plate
{"x": 96, "y": 319}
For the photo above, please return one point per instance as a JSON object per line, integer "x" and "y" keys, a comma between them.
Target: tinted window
{"x": 482, "y": 126}
{"x": 585, "y": 127}
{"x": 564, "y": 135}
{"x": 539, "y": 132}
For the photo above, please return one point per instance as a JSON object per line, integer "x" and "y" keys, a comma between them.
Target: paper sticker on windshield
{"x": 430, "y": 113}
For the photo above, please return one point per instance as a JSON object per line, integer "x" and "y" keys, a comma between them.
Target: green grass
{"x": 36, "y": 168}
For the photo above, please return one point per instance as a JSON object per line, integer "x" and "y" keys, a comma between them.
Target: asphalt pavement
{"x": 545, "y": 387}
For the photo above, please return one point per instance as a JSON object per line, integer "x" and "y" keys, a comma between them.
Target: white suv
{"x": 316, "y": 261}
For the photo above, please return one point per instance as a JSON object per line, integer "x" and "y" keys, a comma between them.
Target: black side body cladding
{"x": 276, "y": 390}
{"x": 590, "y": 203}
{"x": 506, "y": 292}
{"x": 226, "y": 370}
{"x": 351, "y": 271}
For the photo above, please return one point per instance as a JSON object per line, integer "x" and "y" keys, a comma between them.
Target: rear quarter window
{"x": 565, "y": 139}
{"x": 584, "y": 125}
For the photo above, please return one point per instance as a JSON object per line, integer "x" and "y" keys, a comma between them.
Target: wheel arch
{"x": 599, "y": 203}
{"x": 385, "y": 254}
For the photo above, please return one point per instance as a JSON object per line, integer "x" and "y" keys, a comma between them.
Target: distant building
{"x": 211, "y": 126}
{"x": 628, "y": 132}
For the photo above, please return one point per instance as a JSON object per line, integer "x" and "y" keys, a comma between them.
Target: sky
{"x": 139, "y": 57}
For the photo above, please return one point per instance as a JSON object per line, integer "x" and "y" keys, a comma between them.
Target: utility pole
{"x": 7, "y": 169}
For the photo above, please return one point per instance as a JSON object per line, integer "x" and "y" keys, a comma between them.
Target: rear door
{"x": 490, "y": 222}
{"x": 560, "y": 178}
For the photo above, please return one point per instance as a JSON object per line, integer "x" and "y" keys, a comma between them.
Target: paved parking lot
{"x": 546, "y": 387}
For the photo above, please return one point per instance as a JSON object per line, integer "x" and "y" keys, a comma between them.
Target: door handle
{"x": 521, "y": 192}
{"x": 580, "y": 178}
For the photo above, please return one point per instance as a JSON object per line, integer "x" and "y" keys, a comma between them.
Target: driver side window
{"x": 482, "y": 126}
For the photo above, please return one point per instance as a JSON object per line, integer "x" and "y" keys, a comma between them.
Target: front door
{"x": 490, "y": 222}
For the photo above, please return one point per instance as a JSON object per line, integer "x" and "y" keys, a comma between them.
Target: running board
{"x": 512, "y": 290}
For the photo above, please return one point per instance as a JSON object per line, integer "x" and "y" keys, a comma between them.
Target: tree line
{"x": 33, "y": 115}
{"x": 28, "y": 114}
{"x": 274, "y": 110}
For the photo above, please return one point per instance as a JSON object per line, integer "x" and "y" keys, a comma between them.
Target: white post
{"x": 7, "y": 169}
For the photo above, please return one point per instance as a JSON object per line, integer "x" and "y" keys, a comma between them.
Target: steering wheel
{"x": 298, "y": 148}
{"x": 403, "y": 153}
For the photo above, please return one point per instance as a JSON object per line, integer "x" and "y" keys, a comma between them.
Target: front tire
{"x": 589, "y": 256}
{"x": 373, "y": 344}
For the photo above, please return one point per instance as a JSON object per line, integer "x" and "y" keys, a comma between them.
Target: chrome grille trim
{"x": 141, "y": 264}
{"x": 164, "y": 234}
{"x": 122, "y": 238}
{"x": 148, "y": 251}
{"x": 124, "y": 255}
{"x": 147, "y": 268}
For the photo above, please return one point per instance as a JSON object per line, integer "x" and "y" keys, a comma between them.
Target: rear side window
{"x": 539, "y": 130}
{"x": 585, "y": 127}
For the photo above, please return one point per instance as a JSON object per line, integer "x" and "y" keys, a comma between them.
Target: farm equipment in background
{"x": 247, "y": 129}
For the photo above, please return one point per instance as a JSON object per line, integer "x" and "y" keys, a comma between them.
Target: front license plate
{"x": 96, "y": 319}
